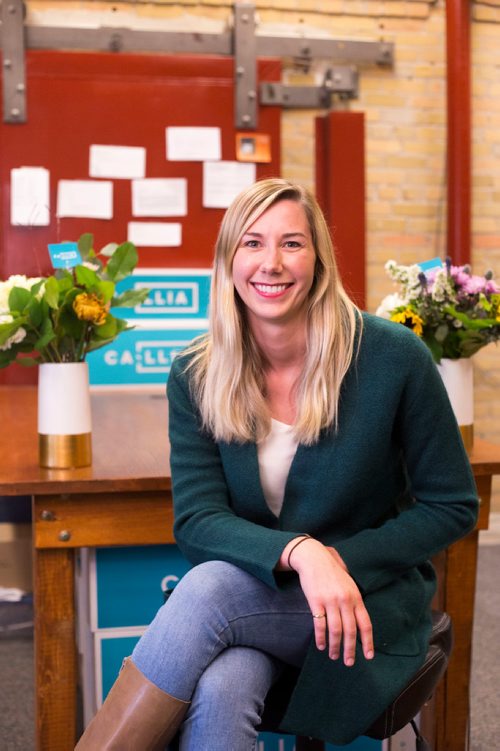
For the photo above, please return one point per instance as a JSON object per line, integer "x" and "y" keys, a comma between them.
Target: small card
{"x": 433, "y": 263}
{"x": 64, "y": 255}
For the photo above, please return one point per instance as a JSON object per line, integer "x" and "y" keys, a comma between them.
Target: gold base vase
{"x": 458, "y": 378}
{"x": 64, "y": 415}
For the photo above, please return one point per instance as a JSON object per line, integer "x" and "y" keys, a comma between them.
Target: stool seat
{"x": 405, "y": 706}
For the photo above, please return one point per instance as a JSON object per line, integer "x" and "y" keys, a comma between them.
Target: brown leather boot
{"x": 136, "y": 716}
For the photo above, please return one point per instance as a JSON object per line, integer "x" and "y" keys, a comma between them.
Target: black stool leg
{"x": 308, "y": 744}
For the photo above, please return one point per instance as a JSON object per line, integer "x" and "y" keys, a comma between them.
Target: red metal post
{"x": 340, "y": 189}
{"x": 459, "y": 129}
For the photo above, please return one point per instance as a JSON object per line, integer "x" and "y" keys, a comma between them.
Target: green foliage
{"x": 64, "y": 316}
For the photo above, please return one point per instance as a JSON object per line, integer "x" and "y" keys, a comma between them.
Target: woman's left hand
{"x": 337, "y": 607}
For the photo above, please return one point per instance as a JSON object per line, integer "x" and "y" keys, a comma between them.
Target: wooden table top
{"x": 129, "y": 445}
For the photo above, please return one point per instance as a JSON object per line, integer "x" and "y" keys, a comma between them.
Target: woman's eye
{"x": 250, "y": 243}
{"x": 292, "y": 244}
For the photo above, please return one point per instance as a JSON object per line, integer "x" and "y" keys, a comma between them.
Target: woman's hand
{"x": 337, "y": 608}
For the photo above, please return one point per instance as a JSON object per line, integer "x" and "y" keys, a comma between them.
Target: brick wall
{"x": 405, "y": 112}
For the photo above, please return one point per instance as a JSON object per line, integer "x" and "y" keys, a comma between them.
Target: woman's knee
{"x": 207, "y": 581}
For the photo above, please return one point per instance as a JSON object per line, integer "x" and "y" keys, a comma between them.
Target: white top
{"x": 275, "y": 454}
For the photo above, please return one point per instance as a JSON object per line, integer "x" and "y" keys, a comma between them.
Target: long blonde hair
{"x": 226, "y": 369}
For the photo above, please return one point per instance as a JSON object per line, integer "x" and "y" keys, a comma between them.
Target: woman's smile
{"x": 270, "y": 290}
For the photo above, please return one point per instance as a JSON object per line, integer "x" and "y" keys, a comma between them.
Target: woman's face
{"x": 273, "y": 267}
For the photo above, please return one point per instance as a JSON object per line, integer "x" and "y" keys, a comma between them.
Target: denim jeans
{"x": 220, "y": 641}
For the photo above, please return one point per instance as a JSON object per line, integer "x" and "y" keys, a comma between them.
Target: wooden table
{"x": 125, "y": 499}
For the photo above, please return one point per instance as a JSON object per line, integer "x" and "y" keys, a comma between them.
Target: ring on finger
{"x": 319, "y": 615}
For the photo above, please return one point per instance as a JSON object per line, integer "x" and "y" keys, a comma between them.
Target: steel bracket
{"x": 13, "y": 65}
{"x": 340, "y": 81}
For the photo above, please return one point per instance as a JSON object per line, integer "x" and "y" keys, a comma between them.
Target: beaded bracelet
{"x": 302, "y": 538}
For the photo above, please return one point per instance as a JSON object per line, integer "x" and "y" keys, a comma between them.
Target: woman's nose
{"x": 272, "y": 261}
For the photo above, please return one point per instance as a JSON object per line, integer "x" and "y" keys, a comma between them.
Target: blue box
{"x": 127, "y": 583}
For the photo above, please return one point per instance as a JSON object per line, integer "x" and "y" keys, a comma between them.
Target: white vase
{"x": 458, "y": 378}
{"x": 64, "y": 415}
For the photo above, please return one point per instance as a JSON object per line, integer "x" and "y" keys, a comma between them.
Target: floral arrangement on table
{"x": 63, "y": 317}
{"x": 454, "y": 311}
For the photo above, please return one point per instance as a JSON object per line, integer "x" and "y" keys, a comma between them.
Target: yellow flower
{"x": 409, "y": 319}
{"x": 89, "y": 307}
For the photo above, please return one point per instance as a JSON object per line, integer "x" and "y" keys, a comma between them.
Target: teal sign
{"x": 139, "y": 356}
{"x": 175, "y": 294}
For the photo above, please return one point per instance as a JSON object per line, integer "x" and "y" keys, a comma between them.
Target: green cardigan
{"x": 389, "y": 490}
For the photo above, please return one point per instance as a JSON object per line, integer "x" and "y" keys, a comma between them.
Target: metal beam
{"x": 337, "y": 50}
{"x": 14, "y": 72}
{"x": 245, "y": 66}
{"x": 112, "y": 39}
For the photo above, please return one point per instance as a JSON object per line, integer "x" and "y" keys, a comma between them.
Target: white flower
{"x": 17, "y": 280}
{"x": 389, "y": 304}
{"x": 15, "y": 338}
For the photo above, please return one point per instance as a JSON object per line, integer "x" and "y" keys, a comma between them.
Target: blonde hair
{"x": 226, "y": 369}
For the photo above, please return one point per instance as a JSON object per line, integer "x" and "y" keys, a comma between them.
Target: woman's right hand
{"x": 337, "y": 608}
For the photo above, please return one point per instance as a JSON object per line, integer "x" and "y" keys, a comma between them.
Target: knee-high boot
{"x": 136, "y": 716}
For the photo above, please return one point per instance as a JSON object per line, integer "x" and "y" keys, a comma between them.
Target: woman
{"x": 316, "y": 466}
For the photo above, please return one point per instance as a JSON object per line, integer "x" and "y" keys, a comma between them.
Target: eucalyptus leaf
{"x": 106, "y": 290}
{"x": 45, "y": 339}
{"x": 130, "y": 298}
{"x": 122, "y": 262}
{"x": 99, "y": 343}
{"x": 108, "y": 249}
{"x": 86, "y": 277}
{"x": 108, "y": 329}
{"x": 9, "y": 329}
{"x": 70, "y": 325}
{"x": 85, "y": 244}
{"x": 19, "y": 299}
{"x": 51, "y": 294}
{"x": 35, "y": 312}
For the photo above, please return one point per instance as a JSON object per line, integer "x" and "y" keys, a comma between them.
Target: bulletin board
{"x": 75, "y": 100}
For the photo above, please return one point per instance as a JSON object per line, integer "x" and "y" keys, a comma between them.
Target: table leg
{"x": 453, "y": 722}
{"x": 55, "y": 650}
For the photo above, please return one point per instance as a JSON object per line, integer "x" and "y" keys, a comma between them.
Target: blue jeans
{"x": 220, "y": 642}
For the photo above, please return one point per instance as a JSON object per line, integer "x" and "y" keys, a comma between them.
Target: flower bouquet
{"x": 455, "y": 312}
{"x": 62, "y": 317}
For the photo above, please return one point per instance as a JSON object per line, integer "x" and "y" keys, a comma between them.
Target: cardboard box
{"x": 16, "y": 556}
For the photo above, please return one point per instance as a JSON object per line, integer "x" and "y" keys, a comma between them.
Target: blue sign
{"x": 64, "y": 255}
{"x": 175, "y": 294}
{"x": 139, "y": 356}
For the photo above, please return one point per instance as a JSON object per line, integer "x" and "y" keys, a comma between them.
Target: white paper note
{"x": 85, "y": 198}
{"x": 155, "y": 234}
{"x": 193, "y": 144}
{"x": 29, "y": 197}
{"x": 126, "y": 162}
{"x": 222, "y": 181}
{"x": 159, "y": 197}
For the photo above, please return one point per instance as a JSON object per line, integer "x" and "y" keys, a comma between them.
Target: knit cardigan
{"x": 389, "y": 489}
